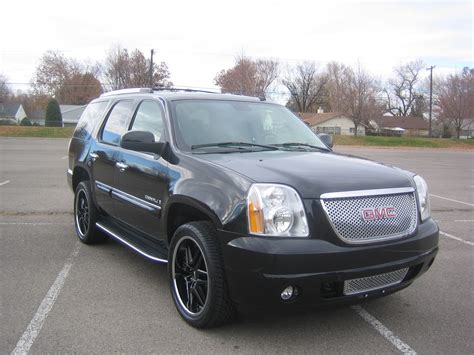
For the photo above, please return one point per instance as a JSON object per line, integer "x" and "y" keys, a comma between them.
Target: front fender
{"x": 218, "y": 192}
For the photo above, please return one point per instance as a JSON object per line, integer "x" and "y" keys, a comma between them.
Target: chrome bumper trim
{"x": 123, "y": 196}
{"x": 362, "y": 193}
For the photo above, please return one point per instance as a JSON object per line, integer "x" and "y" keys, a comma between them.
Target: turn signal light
{"x": 255, "y": 218}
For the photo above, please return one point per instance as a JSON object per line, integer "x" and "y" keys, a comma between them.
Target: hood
{"x": 313, "y": 173}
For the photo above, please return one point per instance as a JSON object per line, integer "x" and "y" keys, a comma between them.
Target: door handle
{"x": 94, "y": 156}
{"x": 121, "y": 166}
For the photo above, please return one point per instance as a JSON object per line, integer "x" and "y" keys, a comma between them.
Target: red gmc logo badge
{"x": 378, "y": 213}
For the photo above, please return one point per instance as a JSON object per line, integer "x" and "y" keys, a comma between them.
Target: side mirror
{"x": 142, "y": 141}
{"x": 326, "y": 138}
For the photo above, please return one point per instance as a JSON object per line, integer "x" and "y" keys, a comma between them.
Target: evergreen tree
{"x": 53, "y": 114}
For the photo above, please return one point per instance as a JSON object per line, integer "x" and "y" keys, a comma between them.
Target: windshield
{"x": 200, "y": 123}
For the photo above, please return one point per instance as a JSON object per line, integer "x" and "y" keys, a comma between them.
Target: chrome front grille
{"x": 375, "y": 282}
{"x": 350, "y": 212}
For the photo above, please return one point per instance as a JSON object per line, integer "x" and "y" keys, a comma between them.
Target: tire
{"x": 197, "y": 280}
{"x": 85, "y": 215}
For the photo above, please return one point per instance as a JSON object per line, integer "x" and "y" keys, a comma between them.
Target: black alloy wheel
{"x": 82, "y": 213}
{"x": 86, "y": 215}
{"x": 197, "y": 279}
{"x": 190, "y": 276}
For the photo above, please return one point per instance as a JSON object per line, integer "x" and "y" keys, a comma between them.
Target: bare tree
{"x": 267, "y": 72}
{"x": 419, "y": 106}
{"x": 403, "y": 91}
{"x": 126, "y": 70}
{"x": 79, "y": 89}
{"x": 66, "y": 79}
{"x": 52, "y": 72}
{"x": 354, "y": 92}
{"x": 338, "y": 74}
{"x": 456, "y": 99}
{"x": 307, "y": 87}
{"x": 240, "y": 79}
{"x": 248, "y": 77}
{"x": 5, "y": 91}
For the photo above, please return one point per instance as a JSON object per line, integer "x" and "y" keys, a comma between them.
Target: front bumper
{"x": 258, "y": 269}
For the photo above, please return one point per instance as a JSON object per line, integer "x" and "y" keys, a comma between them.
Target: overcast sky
{"x": 198, "y": 38}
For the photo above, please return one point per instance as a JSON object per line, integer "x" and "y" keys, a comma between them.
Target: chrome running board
{"x": 139, "y": 246}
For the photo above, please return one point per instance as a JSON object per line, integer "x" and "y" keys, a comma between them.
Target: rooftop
{"x": 312, "y": 118}
{"x": 9, "y": 110}
{"x": 407, "y": 122}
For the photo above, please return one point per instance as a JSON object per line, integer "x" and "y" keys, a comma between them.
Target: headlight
{"x": 423, "y": 197}
{"x": 276, "y": 210}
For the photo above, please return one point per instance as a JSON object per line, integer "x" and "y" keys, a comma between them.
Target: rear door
{"x": 104, "y": 153}
{"x": 142, "y": 178}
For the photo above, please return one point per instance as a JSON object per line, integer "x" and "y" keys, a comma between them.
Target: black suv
{"x": 245, "y": 203}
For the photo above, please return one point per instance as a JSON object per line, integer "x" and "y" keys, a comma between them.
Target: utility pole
{"x": 431, "y": 94}
{"x": 151, "y": 67}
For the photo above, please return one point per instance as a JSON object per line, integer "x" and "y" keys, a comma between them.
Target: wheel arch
{"x": 182, "y": 209}
{"x": 79, "y": 174}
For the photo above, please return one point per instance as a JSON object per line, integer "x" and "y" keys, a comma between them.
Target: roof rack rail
{"x": 127, "y": 91}
{"x": 171, "y": 88}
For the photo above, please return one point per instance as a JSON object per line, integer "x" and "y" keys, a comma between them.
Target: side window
{"x": 89, "y": 118}
{"x": 117, "y": 121}
{"x": 149, "y": 118}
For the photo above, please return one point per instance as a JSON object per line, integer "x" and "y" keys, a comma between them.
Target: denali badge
{"x": 152, "y": 199}
{"x": 378, "y": 213}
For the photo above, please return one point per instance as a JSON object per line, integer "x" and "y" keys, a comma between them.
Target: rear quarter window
{"x": 89, "y": 118}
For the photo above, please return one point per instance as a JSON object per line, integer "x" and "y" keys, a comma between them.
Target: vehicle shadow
{"x": 334, "y": 329}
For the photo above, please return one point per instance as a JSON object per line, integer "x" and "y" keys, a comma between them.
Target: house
{"x": 37, "y": 117}
{"x": 332, "y": 123}
{"x": 71, "y": 114}
{"x": 467, "y": 130}
{"x": 12, "y": 113}
{"x": 399, "y": 125}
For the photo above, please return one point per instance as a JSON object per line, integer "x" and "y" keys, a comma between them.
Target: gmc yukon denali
{"x": 245, "y": 203}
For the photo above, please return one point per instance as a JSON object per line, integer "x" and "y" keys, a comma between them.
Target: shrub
{"x": 26, "y": 122}
{"x": 7, "y": 122}
{"x": 53, "y": 114}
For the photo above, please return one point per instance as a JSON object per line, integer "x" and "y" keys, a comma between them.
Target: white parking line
{"x": 384, "y": 331}
{"x": 457, "y": 238}
{"x": 4, "y": 183}
{"x": 463, "y": 220}
{"x": 64, "y": 157}
{"x": 34, "y": 224}
{"x": 450, "y": 199}
{"x": 32, "y": 331}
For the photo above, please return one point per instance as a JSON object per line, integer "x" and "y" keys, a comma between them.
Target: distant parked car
{"x": 245, "y": 203}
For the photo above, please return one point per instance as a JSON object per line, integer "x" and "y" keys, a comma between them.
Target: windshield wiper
{"x": 296, "y": 144}
{"x": 238, "y": 145}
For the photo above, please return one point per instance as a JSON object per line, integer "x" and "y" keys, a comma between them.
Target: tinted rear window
{"x": 89, "y": 118}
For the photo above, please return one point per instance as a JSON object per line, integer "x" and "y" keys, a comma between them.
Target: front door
{"x": 142, "y": 178}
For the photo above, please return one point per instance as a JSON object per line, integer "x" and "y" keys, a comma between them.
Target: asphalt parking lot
{"x": 58, "y": 296}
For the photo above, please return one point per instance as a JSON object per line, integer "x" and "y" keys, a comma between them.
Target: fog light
{"x": 287, "y": 293}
